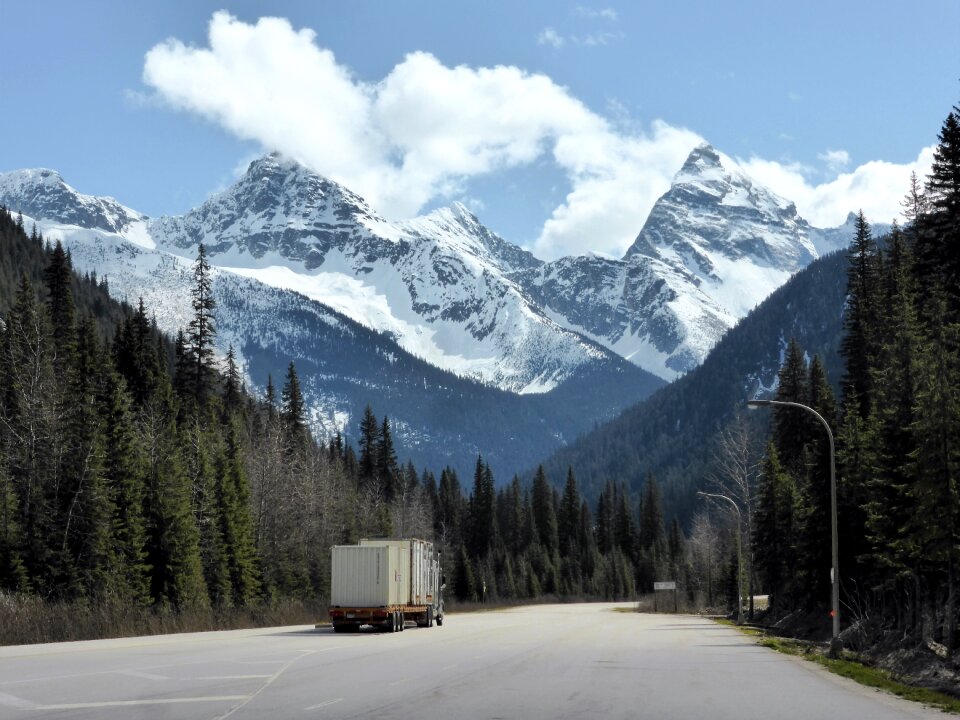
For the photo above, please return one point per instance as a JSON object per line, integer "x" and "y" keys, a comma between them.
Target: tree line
{"x": 138, "y": 470}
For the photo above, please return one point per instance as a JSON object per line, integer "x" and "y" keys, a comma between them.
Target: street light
{"x": 834, "y": 571}
{"x": 739, "y": 553}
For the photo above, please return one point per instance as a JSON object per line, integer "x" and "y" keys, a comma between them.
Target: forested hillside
{"x": 672, "y": 435}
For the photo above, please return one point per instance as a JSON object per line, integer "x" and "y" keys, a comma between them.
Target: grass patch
{"x": 27, "y": 619}
{"x": 853, "y": 668}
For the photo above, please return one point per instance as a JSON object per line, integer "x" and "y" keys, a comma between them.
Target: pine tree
{"x": 173, "y": 543}
{"x": 775, "y": 527}
{"x": 201, "y": 330}
{"x": 482, "y": 525}
{"x": 450, "y": 510}
{"x": 936, "y": 467}
{"x": 58, "y": 278}
{"x": 889, "y": 506}
{"x": 814, "y": 514}
{"x": 652, "y": 537}
{"x": 368, "y": 443}
{"x": 791, "y": 427}
{"x": 232, "y": 384}
{"x": 293, "y": 413}
{"x": 544, "y": 513}
{"x": 624, "y": 532}
{"x": 860, "y": 322}
{"x": 236, "y": 522}
{"x": 605, "y": 540}
{"x": 386, "y": 469}
{"x": 13, "y": 573}
{"x": 124, "y": 475}
{"x": 943, "y": 193}
{"x": 568, "y": 518}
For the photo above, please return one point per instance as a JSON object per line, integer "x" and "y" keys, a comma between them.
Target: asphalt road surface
{"x": 554, "y": 661}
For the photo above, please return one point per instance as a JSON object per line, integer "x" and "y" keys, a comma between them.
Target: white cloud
{"x": 835, "y": 160}
{"x": 597, "y": 39}
{"x": 875, "y": 187}
{"x": 607, "y": 13}
{"x": 549, "y": 36}
{"x": 425, "y": 129}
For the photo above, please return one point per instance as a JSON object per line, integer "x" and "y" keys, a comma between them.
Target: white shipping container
{"x": 369, "y": 575}
{"x": 415, "y": 572}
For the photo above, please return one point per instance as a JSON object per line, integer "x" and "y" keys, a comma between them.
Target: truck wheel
{"x": 403, "y": 622}
{"x": 439, "y": 620}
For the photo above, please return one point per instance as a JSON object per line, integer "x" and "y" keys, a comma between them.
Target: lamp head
{"x": 754, "y": 404}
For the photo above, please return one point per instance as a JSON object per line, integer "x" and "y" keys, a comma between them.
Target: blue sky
{"x": 558, "y": 123}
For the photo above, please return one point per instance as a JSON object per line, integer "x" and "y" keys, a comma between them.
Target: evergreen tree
{"x": 450, "y": 510}
{"x": 568, "y": 519}
{"x": 201, "y": 330}
{"x": 652, "y": 538}
{"x": 173, "y": 543}
{"x": 792, "y": 427}
{"x": 482, "y": 526}
{"x": 814, "y": 514}
{"x": 232, "y": 384}
{"x": 943, "y": 193}
{"x": 775, "y": 525}
{"x": 936, "y": 467}
{"x": 860, "y": 318}
{"x": 386, "y": 468}
{"x": 889, "y": 506}
{"x": 124, "y": 474}
{"x": 544, "y": 513}
{"x": 368, "y": 443}
{"x": 464, "y": 585}
{"x": 236, "y": 522}
{"x": 58, "y": 277}
{"x": 293, "y": 413}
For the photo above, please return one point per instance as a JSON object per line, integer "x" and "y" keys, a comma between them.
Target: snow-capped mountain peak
{"x": 43, "y": 193}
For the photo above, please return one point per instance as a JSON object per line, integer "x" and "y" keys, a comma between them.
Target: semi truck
{"x": 385, "y": 583}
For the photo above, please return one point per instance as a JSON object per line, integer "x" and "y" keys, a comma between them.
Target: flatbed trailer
{"x": 385, "y": 583}
{"x": 392, "y": 618}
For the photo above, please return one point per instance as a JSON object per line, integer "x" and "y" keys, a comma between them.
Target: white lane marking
{"x": 130, "y": 703}
{"x": 245, "y": 700}
{"x": 14, "y": 701}
{"x": 397, "y": 682}
{"x": 257, "y": 662}
{"x": 139, "y": 674}
{"x": 324, "y": 704}
{"x": 232, "y": 677}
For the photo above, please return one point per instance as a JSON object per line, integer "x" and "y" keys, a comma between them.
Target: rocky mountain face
{"x": 439, "y": 285}
{"x": 713, "y": 247}
{"x": 300, "y": 257}
{"x": 43, "y": 193}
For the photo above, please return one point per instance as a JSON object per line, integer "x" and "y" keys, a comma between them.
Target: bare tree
{"x": 734, "y": 472}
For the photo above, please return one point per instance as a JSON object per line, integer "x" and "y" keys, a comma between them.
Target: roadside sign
{"x": 668, "y": 585}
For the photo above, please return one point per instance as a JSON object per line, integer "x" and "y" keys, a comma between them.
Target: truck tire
{"x": 439, "y": 620}
{"x": 403, "y": 621}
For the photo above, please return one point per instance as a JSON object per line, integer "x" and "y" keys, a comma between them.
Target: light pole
{"x": 835, "y": 570}
{"x": 739, "y": 552}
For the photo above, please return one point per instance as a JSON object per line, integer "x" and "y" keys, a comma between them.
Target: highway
{"x": 551, "y": 661}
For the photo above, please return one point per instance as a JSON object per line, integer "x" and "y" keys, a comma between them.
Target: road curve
{"x": 549, "y": 661}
